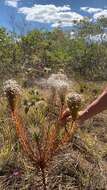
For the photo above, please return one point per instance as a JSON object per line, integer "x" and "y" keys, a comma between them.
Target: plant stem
{"x": 41, "y": 166}
{"x": 43, "y": 178}
{"x": 61, "y": 111}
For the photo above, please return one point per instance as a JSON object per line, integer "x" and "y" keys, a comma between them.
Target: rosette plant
{"x": 46, "y": 140}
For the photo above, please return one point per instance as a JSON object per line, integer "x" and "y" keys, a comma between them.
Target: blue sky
{"x": 47, "y": 14}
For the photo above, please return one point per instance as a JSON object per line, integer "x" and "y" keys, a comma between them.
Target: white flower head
{"x": 74, "y": 104}
{"x": 12, "y": 91}
{"x": 73, "y": 100}
{"x": 12, "y": 87}
{"x": 62, "y": 86}
{"x": 56, "y": 80}
{"x": 59, "y": 83}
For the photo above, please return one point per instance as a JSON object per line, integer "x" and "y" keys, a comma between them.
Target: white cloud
{"x": 54, "y": 15}
{"x": 62, "y": 24}
{"x": 90, "y": 10}
{"x": 12, "y": 3}
{"x": 102, "y": 13}
{"x": 97, "y": 12}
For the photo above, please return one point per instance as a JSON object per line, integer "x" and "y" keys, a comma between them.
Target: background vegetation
{"x": 31, "y": 53}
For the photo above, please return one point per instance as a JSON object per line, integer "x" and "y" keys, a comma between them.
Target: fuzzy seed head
{"x": 12, "y": 91}
{"x": 12, "y": 87}
{"x": 55, "y": 79}
{"x": 74, "y": 104}
{"x": 73, "y": 100}
{"x": 59, "y": 83}
{"x": 62, "y": 87}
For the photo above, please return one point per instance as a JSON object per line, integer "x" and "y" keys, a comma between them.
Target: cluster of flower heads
{"x": 12, "y": 91}
{"x": 74, "y": 104}
{"x": 59, "y": 83}
{"x": 55, "y": 79}
{"x": 73, "y": 100}
{"x": 12, "y": 87}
